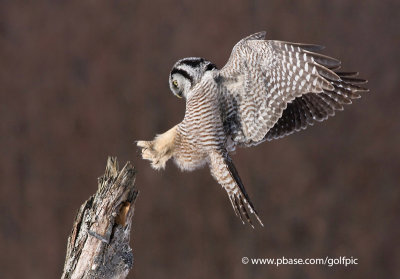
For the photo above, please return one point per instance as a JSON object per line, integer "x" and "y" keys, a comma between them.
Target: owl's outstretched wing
{"x": 224, "y": 171}
{"x": 266, "y": 85}
{"x": 305, "y": 110}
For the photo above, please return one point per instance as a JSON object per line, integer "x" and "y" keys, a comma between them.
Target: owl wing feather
{"x": 305, "y": 110}
{"x": 267, "y": 83}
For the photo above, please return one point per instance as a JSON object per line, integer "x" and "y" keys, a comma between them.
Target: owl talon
{"x": 144, "y": 144}
{"x": 151, "y": 153}
{"x": 159, "y": 150}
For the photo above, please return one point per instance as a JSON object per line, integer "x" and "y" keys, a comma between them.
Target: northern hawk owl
{"x": 268, "y": 89}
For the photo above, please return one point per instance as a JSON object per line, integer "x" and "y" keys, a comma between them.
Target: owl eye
{"x": 175, "y": 83}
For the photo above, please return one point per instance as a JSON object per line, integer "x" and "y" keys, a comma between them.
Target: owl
{"x": 267, "y": 90}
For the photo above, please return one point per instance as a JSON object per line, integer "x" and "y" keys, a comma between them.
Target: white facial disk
{"x": 186, "y": 73}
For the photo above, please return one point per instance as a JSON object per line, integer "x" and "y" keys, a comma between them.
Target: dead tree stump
{"x": 98, "y": 246}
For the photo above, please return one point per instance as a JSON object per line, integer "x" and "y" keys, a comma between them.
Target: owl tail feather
{"x": 239, "y": 199}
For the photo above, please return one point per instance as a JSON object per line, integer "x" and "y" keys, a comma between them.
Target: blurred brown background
{"x": 81, "y": 80}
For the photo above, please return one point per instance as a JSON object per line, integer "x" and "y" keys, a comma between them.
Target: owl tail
{"x": 224, "y": 171}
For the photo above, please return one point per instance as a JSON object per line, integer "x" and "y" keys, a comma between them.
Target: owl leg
{"x": 225, "y": 173}
{"x": 159, "y": 150}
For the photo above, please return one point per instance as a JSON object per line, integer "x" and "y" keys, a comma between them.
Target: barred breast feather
{"x": 201, "y": 130}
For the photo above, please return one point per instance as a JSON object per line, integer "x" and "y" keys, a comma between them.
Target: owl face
{"x": 186, "y": 73}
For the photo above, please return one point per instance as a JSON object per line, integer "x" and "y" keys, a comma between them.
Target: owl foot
{"x": 159, "y": 150}
{"x": 150, "y": 153}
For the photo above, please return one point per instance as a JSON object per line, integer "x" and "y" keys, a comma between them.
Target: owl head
{"x": 186, "y": 73}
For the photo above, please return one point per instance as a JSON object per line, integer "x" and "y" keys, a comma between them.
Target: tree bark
{"x": 98, "y": 246}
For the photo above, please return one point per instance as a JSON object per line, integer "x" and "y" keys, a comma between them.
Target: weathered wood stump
{"x": 98, "y": 246}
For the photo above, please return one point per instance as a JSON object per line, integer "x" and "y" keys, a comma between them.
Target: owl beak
{"x": 179, "y": 95}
